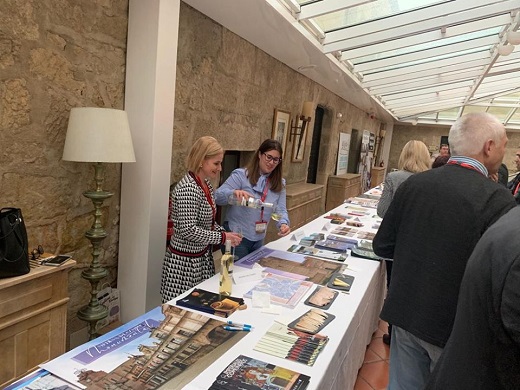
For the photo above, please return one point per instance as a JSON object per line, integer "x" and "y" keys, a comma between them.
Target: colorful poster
{"x": 147, "y": 352}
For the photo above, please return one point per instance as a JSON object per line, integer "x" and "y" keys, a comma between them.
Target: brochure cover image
{"x": 147, "y": 352}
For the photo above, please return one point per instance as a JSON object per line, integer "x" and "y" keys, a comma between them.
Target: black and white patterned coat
{"x": 189, "y": 260}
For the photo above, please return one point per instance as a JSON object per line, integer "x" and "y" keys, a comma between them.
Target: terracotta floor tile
{"x": 375, "y": 374}
{"x": 361, "y": 384}
{"x": 371, "y": 356}
{"x": 383, "y": 325}
{"x": 380, "y": 348}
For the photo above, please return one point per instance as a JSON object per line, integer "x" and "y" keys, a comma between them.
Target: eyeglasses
{"x": 268, "y": 157}
{"x": 37, "y": 252}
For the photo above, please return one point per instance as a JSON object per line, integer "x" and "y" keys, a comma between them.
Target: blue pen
{"x": 227, "y": 327}
{"x": 239, "y": 325}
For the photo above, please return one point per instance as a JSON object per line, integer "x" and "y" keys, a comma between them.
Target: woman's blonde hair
{"x": 205, "y": 147}
{"x": 414, "y": 157}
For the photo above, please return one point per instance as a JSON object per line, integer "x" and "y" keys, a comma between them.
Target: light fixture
{"x": 513, "y": 37}
{"x": 505, "y": 50}
{"x": 297, "y": 129}
{"x": 97, "y": 135}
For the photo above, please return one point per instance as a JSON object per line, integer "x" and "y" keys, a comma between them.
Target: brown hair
{"x": 253, "y": 169}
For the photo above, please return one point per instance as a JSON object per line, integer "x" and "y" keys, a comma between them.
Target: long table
{"x": 357, "y": 316}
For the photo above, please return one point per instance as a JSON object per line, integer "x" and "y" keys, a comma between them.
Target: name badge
{"x": 260, "y": 226}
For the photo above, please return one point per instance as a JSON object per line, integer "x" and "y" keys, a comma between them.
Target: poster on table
{"x": 166, "y": 343}
{"x": 343, "y": 148}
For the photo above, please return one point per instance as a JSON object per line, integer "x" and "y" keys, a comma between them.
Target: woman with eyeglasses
{"x": 189, "y": 257}
{"x": 260, "y": 179}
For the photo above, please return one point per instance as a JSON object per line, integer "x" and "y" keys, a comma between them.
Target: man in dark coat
{"x": 483, "y": 351}
{"x": 430, "y": 230}
{"x": 514, "y": 185}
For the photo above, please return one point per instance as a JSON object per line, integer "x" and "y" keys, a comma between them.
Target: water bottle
{"x": 226, "y": 271}
{"x": 250, "y": 202}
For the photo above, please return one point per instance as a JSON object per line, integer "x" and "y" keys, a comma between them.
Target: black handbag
{"x": 14, "y": 253}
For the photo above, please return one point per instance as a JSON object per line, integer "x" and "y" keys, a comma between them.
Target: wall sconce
{"x": 297, "y": 130}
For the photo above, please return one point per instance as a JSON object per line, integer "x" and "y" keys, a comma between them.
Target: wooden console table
{"x": 33, "y": 319}
{"x": 377, "y": 176}
{"x": 342, "y": 187}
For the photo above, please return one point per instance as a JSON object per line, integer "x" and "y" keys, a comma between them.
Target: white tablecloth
{"x": 349, "y": 333}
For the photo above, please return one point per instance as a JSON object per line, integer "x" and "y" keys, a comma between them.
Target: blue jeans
{"x": 411, "y": 360}
{"x": 246, "y": 246}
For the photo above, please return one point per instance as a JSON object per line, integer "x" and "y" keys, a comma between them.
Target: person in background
{"x": 501, "y": 176}
{"x": 514, "y": 185}
{"x": 440, "y": 161}
{"x": 414, "y": 158}
{"x": 261, "y": 179}
{"x": 430, "y": 230}
{"x": 483, "y": 351}
{"x": 189, "y": 259}
{"x": 444, "y": 150}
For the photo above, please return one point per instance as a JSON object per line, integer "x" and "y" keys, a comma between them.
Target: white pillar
{"x": 149, "y": 100}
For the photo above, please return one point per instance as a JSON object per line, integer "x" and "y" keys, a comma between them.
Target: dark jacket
{"x": 430, "y": 230}
{"x": 483, "y": 351}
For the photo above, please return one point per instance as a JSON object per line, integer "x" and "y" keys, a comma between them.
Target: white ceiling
{"x": 425, "y": 61}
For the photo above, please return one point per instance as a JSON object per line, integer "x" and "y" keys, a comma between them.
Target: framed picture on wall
{"x": 281, "y": 127}
{"x": 298, "y": 150}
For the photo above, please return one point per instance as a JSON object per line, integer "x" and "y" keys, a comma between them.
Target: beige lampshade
{"x": 308, "y": 109}
{"x": 98, "y": 135}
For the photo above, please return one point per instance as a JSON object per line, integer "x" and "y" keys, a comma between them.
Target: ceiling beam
{"x": 323, "y": 7}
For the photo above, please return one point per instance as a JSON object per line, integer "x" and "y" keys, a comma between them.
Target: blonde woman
{"x": 189, "y": 258}
{"x": 414, "y": 158}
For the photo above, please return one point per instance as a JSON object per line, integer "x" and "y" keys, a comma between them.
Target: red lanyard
{"x": 264, "y": 195}
{"x": 266, "y": 189}
{"x": 465, "y": 165}
{"x": 208, "y": 197}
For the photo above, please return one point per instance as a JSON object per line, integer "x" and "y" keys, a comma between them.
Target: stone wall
{"x": 431, "y": 135}
{"x": 59, "y": 54}
{"x": 228, "y": 88}
{"x": 55, "y": 55}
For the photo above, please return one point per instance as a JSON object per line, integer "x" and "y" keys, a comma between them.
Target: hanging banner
{"x": 343, "y": 148}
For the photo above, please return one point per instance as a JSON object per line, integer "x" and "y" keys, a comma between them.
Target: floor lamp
{"x": 97, "y": 135}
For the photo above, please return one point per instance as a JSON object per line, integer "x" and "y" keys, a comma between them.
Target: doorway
{"x": 312, "y": 171}
{"x": 354, "y": 152}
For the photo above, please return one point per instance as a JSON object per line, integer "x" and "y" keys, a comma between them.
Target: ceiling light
{"x": 505, "y": 50}
{"x": 513, "y": 37}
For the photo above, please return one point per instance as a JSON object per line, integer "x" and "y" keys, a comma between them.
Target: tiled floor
{"x": 373, "y": 375}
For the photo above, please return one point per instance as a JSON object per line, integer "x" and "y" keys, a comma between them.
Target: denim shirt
{"x": 245, "y": 217}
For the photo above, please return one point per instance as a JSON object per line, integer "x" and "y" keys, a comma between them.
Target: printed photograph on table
{"x": 281, "y": 127}
{"x": 165, "y": 343}
{"x": 253, "y": 374}
{"x": 312, "y": 321}
{"x": 284, "y": 291}
{"x": 280, "y": 262}
{"x": 290, "y": 344}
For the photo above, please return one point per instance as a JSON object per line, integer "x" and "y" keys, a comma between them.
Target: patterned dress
{"x": 189, "y": 259}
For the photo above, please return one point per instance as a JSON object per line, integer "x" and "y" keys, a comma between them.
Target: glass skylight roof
{"x": 424, "y": 60}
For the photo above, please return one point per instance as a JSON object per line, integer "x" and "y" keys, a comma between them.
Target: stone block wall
{"x": 431, "y": 135}
{"x": 228, "y": 88}
{"x": 55, "y": 55}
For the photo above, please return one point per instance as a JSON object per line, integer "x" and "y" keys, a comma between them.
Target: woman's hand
{"x": 241, "y": 194}
{"x": 284, "y": 230}
{"x": 235, "y": 238}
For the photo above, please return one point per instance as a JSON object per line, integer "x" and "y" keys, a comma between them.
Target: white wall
{"x": 149, "y": 100}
